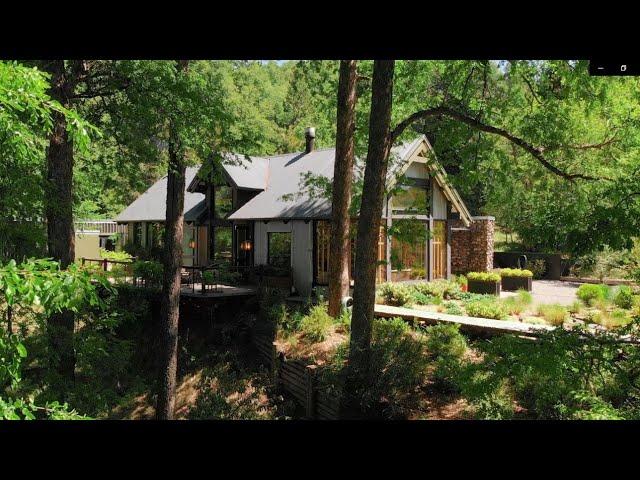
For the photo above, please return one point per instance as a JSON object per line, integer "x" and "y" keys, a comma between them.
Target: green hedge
{"x": 516, "y": 272}
{"x": 489, "y": 277}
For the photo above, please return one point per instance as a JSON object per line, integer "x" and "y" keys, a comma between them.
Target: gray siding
{"x": 439, "y": 203}
{"x": 301, "y": 249}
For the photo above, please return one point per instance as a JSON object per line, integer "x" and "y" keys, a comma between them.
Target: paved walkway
{"x": 551, "y": 291}
{"x": 467, "y": 324}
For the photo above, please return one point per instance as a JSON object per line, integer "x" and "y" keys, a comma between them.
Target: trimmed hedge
{"x": 489, "y": 277}
{"x": 516, "y": 272}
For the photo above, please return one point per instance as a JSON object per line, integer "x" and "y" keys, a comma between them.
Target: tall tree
{"x": 370, "y": 214}
{"x": 339, "y": 245}
{"x": 59, "y": 208}
{"x": 170, "y": 306}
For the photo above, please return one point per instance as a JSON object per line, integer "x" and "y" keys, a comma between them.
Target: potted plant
{"x": 462, "y": 281}
{"x": 484, "y": 282}
{"x": 516, "y": 279}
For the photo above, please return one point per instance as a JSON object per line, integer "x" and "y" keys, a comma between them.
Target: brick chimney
{"x": 310, "y": 136}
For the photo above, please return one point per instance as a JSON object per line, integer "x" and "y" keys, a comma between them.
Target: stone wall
{"x": 472, "y": 247}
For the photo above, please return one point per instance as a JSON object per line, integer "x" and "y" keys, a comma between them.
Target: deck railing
{"x": 193, "y": 277}
{"x": 105, "y": 227}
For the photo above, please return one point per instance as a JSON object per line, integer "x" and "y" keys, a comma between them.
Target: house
{"x": 263, "y": 215}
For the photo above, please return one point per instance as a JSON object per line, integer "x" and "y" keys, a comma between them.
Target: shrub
{"x": 121, "y": 256}
{"x": 444, "y": 289}
{"x": 395, "y": 294}
{"x": 447, "y": 346}
{"x": 489, "y": 277}
{"x": 524, "y": 297}
{"x": 445, "y": 340}
{"x": 513, "y": 306}
{"x": 538, "y": 267}
{"x": 149, "y": 271}
{"x": 515, "y": 272}
{"x": 575, "y": 307}
{"x": 315, "y": 326}
{"x": 553, "y": 314}
{"x": 461, "y": 280}
{"x": 589, "y": 292}
{"x": 486, "y": 308}
{"x": 453, "y": 308}
{"x": 422, "y": 299}
{"x": 624, "y": 297}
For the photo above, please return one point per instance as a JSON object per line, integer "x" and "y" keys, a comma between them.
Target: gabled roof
{"x": 151, "y": 205}
{"x": 278, "y": 178}
{"x": 283, "y": 199}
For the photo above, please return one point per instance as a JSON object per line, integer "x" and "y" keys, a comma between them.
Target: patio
{"x": 550, "y": 291}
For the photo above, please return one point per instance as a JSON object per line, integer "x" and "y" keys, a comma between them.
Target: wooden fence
{"x": 299, "y": 380}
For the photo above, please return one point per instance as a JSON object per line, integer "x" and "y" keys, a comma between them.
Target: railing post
{"x": 104, "y": 264}
{"x": 202, "y": 284}
{"x": 83, "y": 259}
{"x": 311, "y": 391}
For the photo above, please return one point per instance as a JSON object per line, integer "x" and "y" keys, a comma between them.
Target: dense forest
{"x": 547, "y": 149}
{"x": 577, "y": 200}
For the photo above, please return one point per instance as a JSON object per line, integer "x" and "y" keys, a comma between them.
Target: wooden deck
{"x": 221, "y": 291}
{"x": 467, "y": 324}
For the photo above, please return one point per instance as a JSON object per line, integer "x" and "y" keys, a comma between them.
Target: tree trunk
{"x": 340, "y": 244}
{"x": 170, "y": 303}
{"x": 369, "y": 221}
{"x": 59, "y": 213}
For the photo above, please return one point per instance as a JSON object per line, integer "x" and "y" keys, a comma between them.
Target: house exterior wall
{"x": 472, "y": 247}
{"x": 301, "y": 249}
{"x": 439, "y": 201}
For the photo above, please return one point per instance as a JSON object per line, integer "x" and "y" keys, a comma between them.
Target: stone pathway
{"x": 551, "y": 291}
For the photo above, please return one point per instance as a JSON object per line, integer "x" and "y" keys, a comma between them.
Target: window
{"x": 408, "y": 246}
{"x": 223, "y": 248}
{"x": 137, "y": 233}
{"x": 223, "y": 200}
{"x": 412, "y": 197}
{"x": 279, "y": 249}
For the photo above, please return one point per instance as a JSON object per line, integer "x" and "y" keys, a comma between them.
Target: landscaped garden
{"x": 437, "y": 372}
{"x": 596, "y": 304}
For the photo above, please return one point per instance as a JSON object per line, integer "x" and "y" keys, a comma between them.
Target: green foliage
{"x": 488, "y": 277}
{"x": 553, "y": 314}
{"x": 486, "y": 308}
{"x": 395, "y": 294}
{"x": 443, "y": 289}
{"x": 119, "y": 256}
{"x": 26, "y": 112}
{"x": 453, "y": 308}
{"x": 590, "y": 293}
{"x": 567, "y": 374}
{"x": 515, "y": 272}
{"x": 230, "y": 391}
{"x": 446, "y": 346}
{"x": 149, "y": 271}
{"x": 316, "y": 325}
{"x": 420, "y": 298}
{"x": 623, "y": 298}
{"x": 40, "y": 283}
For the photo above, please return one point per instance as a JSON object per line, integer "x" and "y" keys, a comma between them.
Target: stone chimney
{"x": 310, "y": 136}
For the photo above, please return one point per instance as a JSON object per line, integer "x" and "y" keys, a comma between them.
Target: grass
{"x": 553, "y": 314}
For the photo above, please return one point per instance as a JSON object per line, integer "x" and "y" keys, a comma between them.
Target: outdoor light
{"x": 192, "y": 244}
{"x": 245, "y": 246}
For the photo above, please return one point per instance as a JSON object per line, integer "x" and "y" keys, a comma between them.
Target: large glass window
{"x": 223, "y": 201}
{"x": 411, "y": 197}
{"x": 408, "y": 244}
{"x": 223, "y": 247}
{"x": 279, "y": 249}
